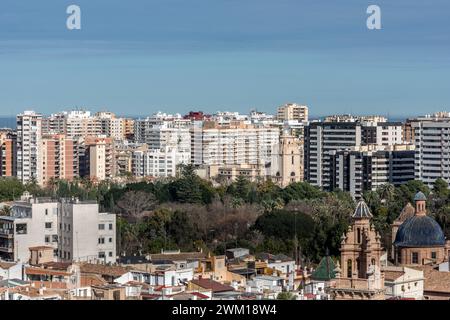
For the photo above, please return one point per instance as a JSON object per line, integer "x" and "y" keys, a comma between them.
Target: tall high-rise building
{"x": 432, "y": 140}
{"x": 96, "y": 154}
{"x": 29, "y": 153}
{"x": 8, "y": 154}
{"x": 366, "y": 168}
{"x": 343, "y": 133}
{"x": 234, "y": 143}
{"x": 59, "y": 158}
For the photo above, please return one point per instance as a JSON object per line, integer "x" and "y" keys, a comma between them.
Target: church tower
{"x": 290, "y": 161}
{"x": 359, "y": 275}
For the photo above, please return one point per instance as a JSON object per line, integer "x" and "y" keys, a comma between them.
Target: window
{"x": 46, "y": 212}
{"x": 55, "y": 238}
{"x": 48, "y": 225}
{"x": 110, "y": 240}
{"x": 399, "y": 256}
{"x": 101, "y": 240}
{"x": 349, "y": 268}
{"x": 47, "y": 239}
{"x": 110, "y": 254}
{"x": 21, "y": 228}
{"x": 359, "y": 235}
{"x": 415, "y": 257}
{"x": 101, "y": 255}
{"x": 101, "y": 226}
{"x": 433, "y": 255}
{"x": 110, "y": 226}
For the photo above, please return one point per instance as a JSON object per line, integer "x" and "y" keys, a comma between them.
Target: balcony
{"x": 6, "y": 248}
{"x": 8, "y": 233}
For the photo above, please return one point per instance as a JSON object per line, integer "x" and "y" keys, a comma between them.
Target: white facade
{"x": 432, "y": 141}
{"x": 158, "y": 162}
{"x": 249, "y": 145}
{"x": 409, "y": 283}
{"x": 29, "y": 136}
{"x": 74, "y": 229}
{"x": 85, "y": 233}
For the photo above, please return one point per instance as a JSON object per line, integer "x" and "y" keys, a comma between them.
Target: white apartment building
{"x": 29, "y": 135}
{"x": 158, "y": 162}
{"x": 237, "y": 144}
{"x": 432, "y": 140}
{"x": 75, "y": 229}
{"x": 73, "y": 124}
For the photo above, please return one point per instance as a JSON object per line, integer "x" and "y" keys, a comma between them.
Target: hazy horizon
{"x": 143, "y": 56}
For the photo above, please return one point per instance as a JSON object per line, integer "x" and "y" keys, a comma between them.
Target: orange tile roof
{"x": 104, "y": 270}
{"x": 42, "y": 271}
{"x": 437, "y": 281}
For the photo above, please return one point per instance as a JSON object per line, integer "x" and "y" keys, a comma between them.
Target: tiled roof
{"x": 42, "y": 271}
{"x": 436, "y": 281}
{"x": 212, "y": 285}
{"x": 325, "y": 270}
{"x": 178, "y": 256}
{"x": 57, "y": 265}
{"x": 104, "y": 270}
{"x": 392, "y": 275}
{"x": 362, "y": 211}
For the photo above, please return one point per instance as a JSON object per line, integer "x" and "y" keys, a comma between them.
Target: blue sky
{"x": 136, "y": 57}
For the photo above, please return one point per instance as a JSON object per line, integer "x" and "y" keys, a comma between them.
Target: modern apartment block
{"x": 158, "y": 162}
{"x": 75, "y": 229}
{"x": 160, "y": 132}
{"x": 8, "y": 151}
{"x": 365, "y": 168}
{"x": 292, "y": 111}
{"x": 29, "y": 156}
{"x": 432, "y": 140}
{"x": 343, "y": 133}
{"x": 97, "y": 157}
{"x": 236, "y": 143}
{"x": 59, "y": 158}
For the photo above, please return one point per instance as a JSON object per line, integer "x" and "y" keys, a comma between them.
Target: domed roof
{"x": 419, "y": 231}
{"x": 362, "y": 211}
{"x": 420, "y": 196}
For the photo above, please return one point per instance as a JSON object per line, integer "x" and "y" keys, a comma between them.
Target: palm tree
{"x": 386, "y": 192}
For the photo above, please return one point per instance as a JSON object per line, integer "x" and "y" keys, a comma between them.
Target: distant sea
{"x": 8, "y": 122}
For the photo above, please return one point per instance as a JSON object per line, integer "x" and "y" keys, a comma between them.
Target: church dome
{"x": 419, "y": 231}
{"x": 420, "y": 196}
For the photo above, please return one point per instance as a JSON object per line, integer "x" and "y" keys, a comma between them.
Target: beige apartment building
{"x": 292, "y": 111}
{"x": 98, "y": 159}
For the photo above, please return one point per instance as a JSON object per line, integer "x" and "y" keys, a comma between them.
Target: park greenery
{"x": 189, "y": 213}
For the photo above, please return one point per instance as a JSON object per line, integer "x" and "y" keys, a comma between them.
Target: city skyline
{"x": 176, "y": 57}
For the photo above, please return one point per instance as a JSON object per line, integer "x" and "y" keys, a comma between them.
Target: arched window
{"x": 358, "y": 235}
{"x": 373, "y": 261}
{"x": 292, "y": 174}
{"x": 349, "y": 268}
